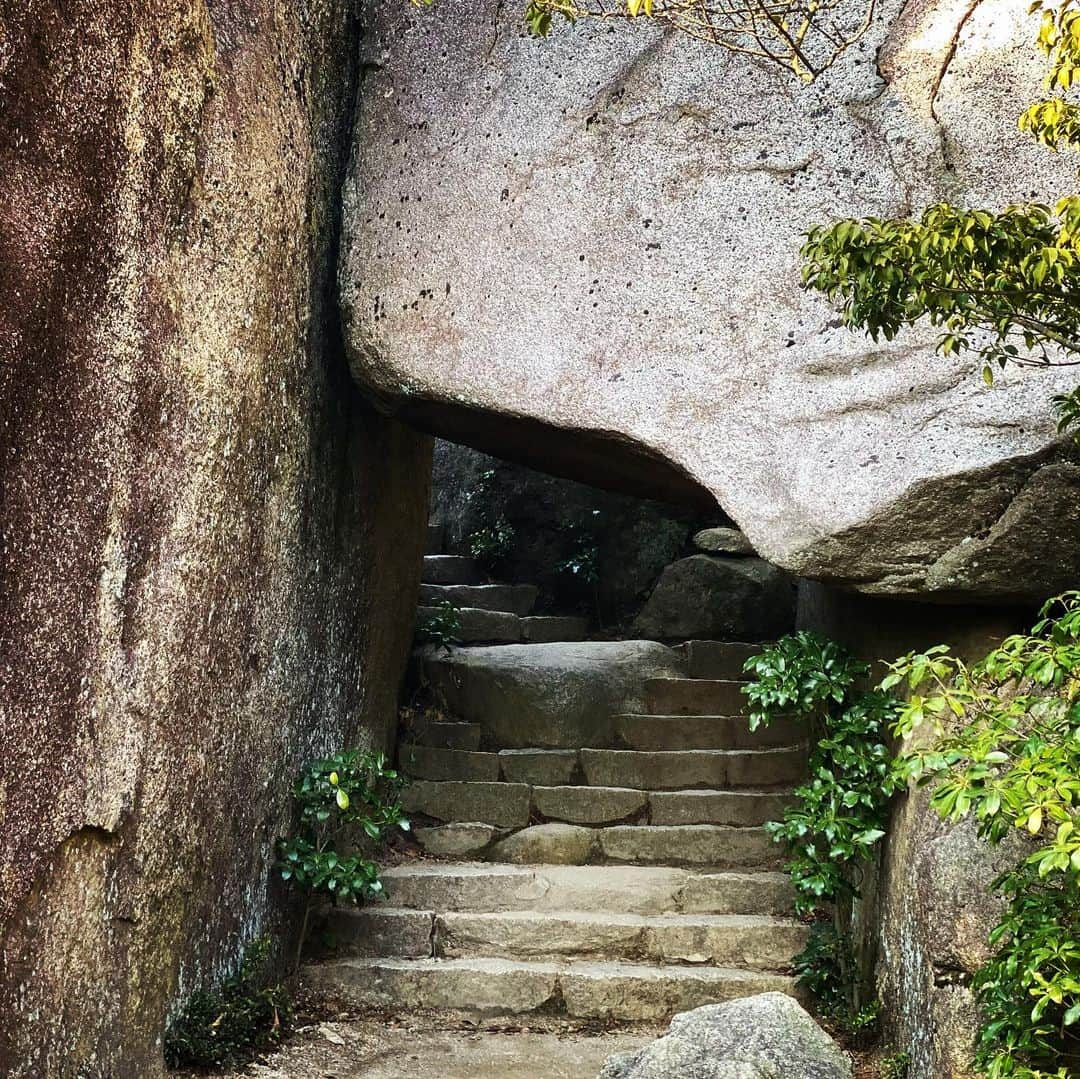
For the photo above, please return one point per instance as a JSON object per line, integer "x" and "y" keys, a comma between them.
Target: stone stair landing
{"x": 490, "y": 613}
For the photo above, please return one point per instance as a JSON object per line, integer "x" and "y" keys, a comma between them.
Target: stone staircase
{"x": 490, "y": 613}
{"x": 620, "y": 881}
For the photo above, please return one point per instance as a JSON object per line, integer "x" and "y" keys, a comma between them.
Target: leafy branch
{"x": 345, "y": 801}
{"x": 1006, "y": 751}
{"x": 804, "y": 37}
{"x": 840, "y": 813}
{"x": 1005, "y": 285}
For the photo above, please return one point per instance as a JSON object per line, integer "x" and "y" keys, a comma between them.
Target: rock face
{"x": 583, "y": 253}
{"x": 207, "y": 544}
{"x": 764, "y": 1037}
{"x": 936, "y": 912}
{"x": 635, "y": 538}
{"x": 722, "y": 541}
{"x": 741, "y": 599}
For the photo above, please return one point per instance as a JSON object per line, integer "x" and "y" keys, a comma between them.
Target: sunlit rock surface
{"x": 208, "y": 546}
{"x": 583, "y": 253}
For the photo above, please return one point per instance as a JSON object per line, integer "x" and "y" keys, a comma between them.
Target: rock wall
{"x": 636, "y": 538}
{"x": 926, "y": 910}
{"x": 582, "y": 253}
{"x": 209, "y": 547}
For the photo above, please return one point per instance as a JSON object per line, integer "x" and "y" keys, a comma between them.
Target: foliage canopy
{"x": 1003, "y": 285}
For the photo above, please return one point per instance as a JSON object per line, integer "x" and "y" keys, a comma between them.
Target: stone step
{"x": 510, "y": 805}
{"x": 748, "y": 942}
{"x": 723, "y": 660}
{"x": 694, "y": 697}
{"x": 550, "y": 629}
{"x": 489, "y": 987}
{"x": 451, "y": 569}
{"x": 539, "y": 767}
{"x": 705, "y": 732}
{"x": 458, "y": 839}
{"x": 505, "y": 805}
{"x": 481, "y": 627}
{"x": 428, "y": 762}
{"x": 617, "y": 889}
{"x": 508, "y": 598}
{"x": 446, "y": 735}
{"x": 713, "y": 845}
{"x": 436, "y": 536}
{"x": 589, "y": 805}
{"x": 373, "y": 931}
{"x": 745, "y": 942}
{"x": 693, "y": 768}
{"x": 745, "y": 808}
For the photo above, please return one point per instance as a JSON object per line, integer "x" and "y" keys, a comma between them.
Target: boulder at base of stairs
{"x": 769, "y": 1036}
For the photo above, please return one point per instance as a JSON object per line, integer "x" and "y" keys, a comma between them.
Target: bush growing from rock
{"x": 345, "y": 804}
{"x": 223, "y": 1025}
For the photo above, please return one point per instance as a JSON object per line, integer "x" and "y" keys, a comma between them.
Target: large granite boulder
{"x": 210, "y": 546}
{"x": 557, "y": 696}
{"x": 582, "y": 253}
{"x": 769, "y": 1036}
{"x": 733, "y": 599}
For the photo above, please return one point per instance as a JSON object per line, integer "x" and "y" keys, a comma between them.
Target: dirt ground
{"x": 373, "y": 1045}
{"x": 334, "y": 1040}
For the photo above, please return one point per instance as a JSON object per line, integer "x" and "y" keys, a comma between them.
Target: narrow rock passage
{"x": 608, "y": 864}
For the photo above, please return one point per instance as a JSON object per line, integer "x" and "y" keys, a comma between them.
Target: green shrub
{"x": 840, "y": 813}
{"x": 346, "y": 803}
{"x": 442, "y": 628}
{"x": 1007, "y": 751}
{"x": 227, "y": 1025}
{"x": 493, "y": 544}
{"x": 895, "y": 1066}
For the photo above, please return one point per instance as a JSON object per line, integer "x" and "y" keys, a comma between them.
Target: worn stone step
{"x": 485, "y": 986}
{"x": 503, "y": 804}
{"x": 539, "y": 767}
{"x": 747, "y": 942}
{"x": 508, "y": 598}
{"x": 694, "y": 697}
{"x": 750, "y": 942}
{"x": 589, "y": 805}
{"x": 481, "y": 627}
{"x": 747, "y": 808}
{"x": 616, "y": 889}
{"x": 436, "y": 535}
{"x": 704, "y": 732}
{"x": 458, "y": 839}
{"x": 715, "y": 845}
{"x": 550, "y": 629}
{"x": 378, "y": 930}
{"x": 552, "y": 843}
{"x": 722, "y": 660}
{"x": 428, "y": 762}
{"x": 693, "y": 768}
{"x": 451, "y": 569}
{"x": 446, "y": 735}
